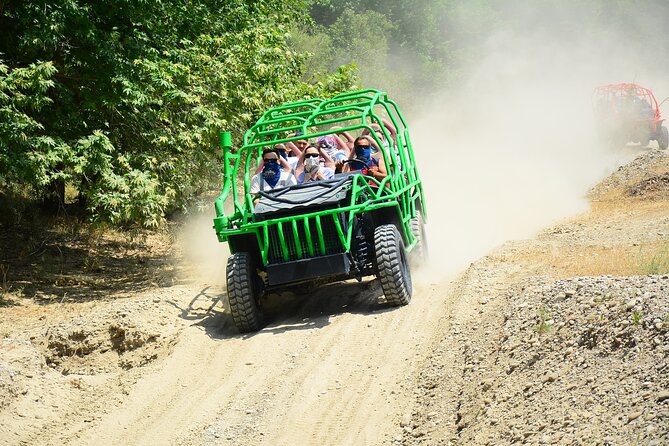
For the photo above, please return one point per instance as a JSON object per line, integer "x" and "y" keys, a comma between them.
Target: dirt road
{"x": 334, "y": 367}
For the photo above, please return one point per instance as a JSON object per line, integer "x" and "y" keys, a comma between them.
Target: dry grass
{"x": 595, "y": 253}
{"x": 601, "y": 261}
{"x": 618, "y": 203}
{"x": 4, "y": 285}
{"x": 617, "y": 186}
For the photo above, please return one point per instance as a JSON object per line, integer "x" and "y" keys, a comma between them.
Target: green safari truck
{"x": 350, "y": 226}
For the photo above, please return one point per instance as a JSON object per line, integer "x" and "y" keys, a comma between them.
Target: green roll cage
{"x": 401, "y": 189}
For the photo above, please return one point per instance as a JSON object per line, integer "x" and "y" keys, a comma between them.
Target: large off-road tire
{"x": 242, "y": 294}
{"x": 419, "y": 254}
{"x": 392, "y": 266}
{"x": 663, "y": 138}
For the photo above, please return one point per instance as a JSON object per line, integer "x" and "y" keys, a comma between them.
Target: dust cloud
{"x": 512, "y": 148}
{"x": 202, "y": 259}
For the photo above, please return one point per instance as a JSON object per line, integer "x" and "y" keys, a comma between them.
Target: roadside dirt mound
{"x": 108, "y": 339}
{"x": 56, "y": 365}
{"x": 20, "y": 362}
{"x": 644, "y": 167}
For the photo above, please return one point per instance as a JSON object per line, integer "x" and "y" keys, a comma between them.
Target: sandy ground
{"x": 166, "y": 366}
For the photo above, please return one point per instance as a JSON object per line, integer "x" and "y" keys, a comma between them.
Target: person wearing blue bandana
{"x": 272, "y": 175}
{"x": 365, "y": 161}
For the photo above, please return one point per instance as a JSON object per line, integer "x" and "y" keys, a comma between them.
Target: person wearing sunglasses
{"x": 364, "y": 160}
{"x": 288, "y": 163}
{"x": 272, "y": 176}
{"x": 309, "y": 167}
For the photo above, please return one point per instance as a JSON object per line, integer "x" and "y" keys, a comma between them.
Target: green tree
{"x": 123, "y": 99}
{"x": 401, "y": 47}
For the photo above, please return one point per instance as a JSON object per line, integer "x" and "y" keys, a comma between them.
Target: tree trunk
{"x": 54, "y": 200}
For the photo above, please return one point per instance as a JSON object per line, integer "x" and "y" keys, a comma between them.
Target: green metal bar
{"x": 319, "y": 228}
{"x": 228, "y": 184}
{"x": 308, "y": 104}
{"x": 300, "y": 116}
{"x": 282, "y": 240}
{"x": 247, "y": 180}
{"x": 358, "y": 92}
{"x": 225, "y": 234}
{"x": 296, "y": 238}
{"x": 280, "y": 130}
{"x": 364, "y": 206}
{"x": 292, "y": 111}
{"x": 264, "y": 244}
{"x": 251, "y": 226}
{"x": 334, "y": 121}
{"x": 337, "y": 109}
{"x": 307, "y": 232}
{"x": 340, "y": 231}
{"x": 382, "y": 193}
{"x": 305, "y": 136}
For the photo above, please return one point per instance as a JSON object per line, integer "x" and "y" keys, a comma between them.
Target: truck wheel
{"x": 392, "y": 267}
{"x": 663, "y": 138}
{"x": 419, "y": 255}
{"x": 242, "y": 296}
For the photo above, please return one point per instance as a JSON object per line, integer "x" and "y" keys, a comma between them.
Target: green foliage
{"x": 361, "y": 39}
{"x": 128, "y": 103}
{"x": 26, "y": 154}
{"x": 402, "y": 47}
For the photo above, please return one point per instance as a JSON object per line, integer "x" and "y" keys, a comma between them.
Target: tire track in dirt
{"x": 337, "y": 371}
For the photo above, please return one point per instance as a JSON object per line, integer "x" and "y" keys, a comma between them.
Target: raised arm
{"x": 329, "y": 162}
{"x": 344, "y": 139}
{"x": 391, "y": 129}
{"x": 293, "y": 148}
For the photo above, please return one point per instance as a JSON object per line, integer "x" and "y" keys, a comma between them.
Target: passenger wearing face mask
{"x": 309, "y": 167}
{"x": 364, "y": 160}
{"x": 272, "y": 176}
